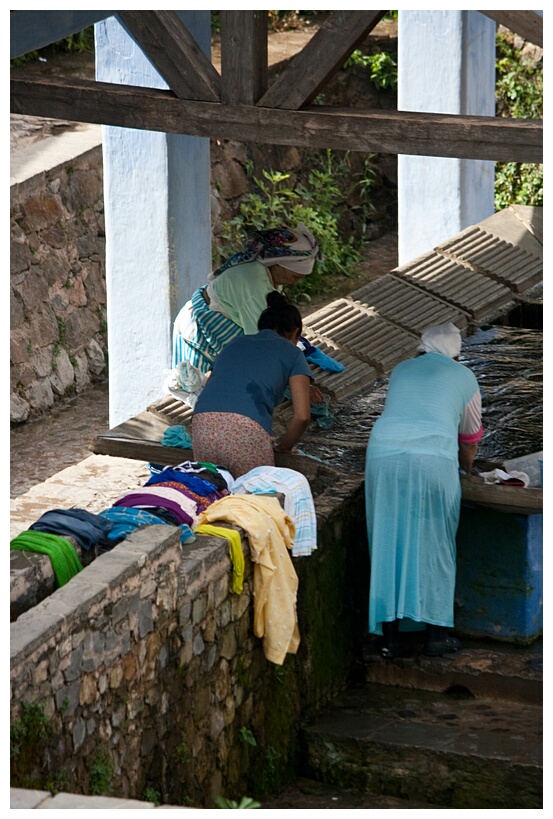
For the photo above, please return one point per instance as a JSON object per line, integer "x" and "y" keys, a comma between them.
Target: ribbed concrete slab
{"x": 172, "y": 410}
{"x": 357, "y": 375}
{"x": 362, "y": 332}
{"x": 479, "y": 295}
{"x": 494, "y": 257}
{"x": 408, "y": 306}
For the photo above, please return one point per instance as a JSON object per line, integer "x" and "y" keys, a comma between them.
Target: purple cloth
{"x": 145, "y": 499}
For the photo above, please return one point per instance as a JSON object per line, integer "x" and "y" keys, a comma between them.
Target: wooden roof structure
{"x": 239, "y": 104}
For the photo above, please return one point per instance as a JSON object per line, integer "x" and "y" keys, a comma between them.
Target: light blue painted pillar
{"x": 446, "y": 64}
{"x": 158, "y": 230}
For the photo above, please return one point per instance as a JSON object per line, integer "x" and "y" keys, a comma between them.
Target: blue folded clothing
{"x": 86, "y": 528}
{"x": 325, "y": 362}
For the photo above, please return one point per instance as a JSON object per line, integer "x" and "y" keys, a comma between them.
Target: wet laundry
{"x": 126, "y": 520}
{"x": 85, "y": 527}
{"x": 61, "y": 552}
{"x": 270, "y": 533}
{"x": 235, "y": 551}
{"x": 298, "y": 501}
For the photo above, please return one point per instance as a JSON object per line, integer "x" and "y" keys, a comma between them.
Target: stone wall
{"x": 142, "y": 674}
{"x": 57, "y": 296}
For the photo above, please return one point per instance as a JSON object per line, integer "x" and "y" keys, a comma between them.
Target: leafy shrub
{"x": 318, "y": 203}
{"x": 519, "y": 93}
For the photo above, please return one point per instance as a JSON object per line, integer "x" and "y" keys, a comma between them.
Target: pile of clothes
{"x": 195, "y": 496}
{"x": 173, "y": 496}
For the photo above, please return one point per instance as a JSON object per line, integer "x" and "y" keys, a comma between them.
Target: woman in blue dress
{"x": 430, "y": 426}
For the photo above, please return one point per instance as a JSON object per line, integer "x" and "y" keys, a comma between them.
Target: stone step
{"x": 450, "y": 749}
{"x": 483, "y": 668}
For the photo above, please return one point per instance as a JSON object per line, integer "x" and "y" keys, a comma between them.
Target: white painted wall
{"x": 158, "y": 230}
{"x": 446, "y": 64}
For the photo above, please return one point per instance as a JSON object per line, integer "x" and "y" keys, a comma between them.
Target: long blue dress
{"x": 413, "y": 492}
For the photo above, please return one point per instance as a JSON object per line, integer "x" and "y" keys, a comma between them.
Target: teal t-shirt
{"x": 250, "y": 375}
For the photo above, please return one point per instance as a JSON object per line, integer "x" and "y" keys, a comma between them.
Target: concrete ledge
{"x": 27, "y": 799}
{"x": 37, "y": 159}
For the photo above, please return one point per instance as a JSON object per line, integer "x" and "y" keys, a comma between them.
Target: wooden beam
{"x": 526, "y": 23}
{"x": 380, "y": 131}
{"x": 244, "y": 60}
{"x": 320, "y": 59}
{"x": 174, "y": 53}
{"x": 32, "y": 30}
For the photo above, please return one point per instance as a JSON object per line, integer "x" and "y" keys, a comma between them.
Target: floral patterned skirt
{"x": 234, "y": 442}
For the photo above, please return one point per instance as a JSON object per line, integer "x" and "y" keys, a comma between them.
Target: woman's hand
{"x": 315, "y": 395}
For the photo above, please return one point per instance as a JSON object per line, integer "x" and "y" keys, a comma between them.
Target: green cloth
{"x": 207, "y": 465}
{"x": 62, "y": 554}
{"x": 235, "y": 551}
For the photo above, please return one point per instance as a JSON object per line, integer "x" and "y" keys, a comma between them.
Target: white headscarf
{"x": 305, "y": 241}
{"x": 443, "y": 338}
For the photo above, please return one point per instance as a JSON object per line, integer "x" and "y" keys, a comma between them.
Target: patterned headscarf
{"x": 443, "y": 338}
{"x": 296, "y": 250}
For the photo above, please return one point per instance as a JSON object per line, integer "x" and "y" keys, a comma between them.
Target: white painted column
{"x": 446, "y": 65}
{"x": 158, "y": 230}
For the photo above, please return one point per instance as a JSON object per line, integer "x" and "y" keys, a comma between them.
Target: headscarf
{"x": 296, "y": 250}
{"x": 443, "y": 338}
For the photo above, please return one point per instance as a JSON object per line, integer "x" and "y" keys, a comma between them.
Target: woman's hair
{"x": 280, "y": 315}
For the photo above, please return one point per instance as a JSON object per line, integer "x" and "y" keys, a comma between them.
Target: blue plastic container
{"x": 499, "y": 590}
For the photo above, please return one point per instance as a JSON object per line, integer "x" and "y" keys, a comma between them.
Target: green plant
{"x": 151, "y": 795}
{"x": 382, "y": 65}
{"x": 101, "y": 774}
{"x": 246, "y": 736}
{"x": 245, "y": 802}
{"x": 58, "y": 782}
{"x": 519, "y": 93}
{"x": 182, "y": 750}
{"x": 30, "y": 735}
{"x": 62, "y": 330}
{"x": 318, "y": 203}
{"x": 518, "y": 184}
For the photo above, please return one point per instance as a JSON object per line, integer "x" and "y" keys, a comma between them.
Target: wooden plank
{"x": 395, "y": 132}
{"x": 320, "y": 59}
{"x": 174, "y": 53}
{"x": 510, "y": 499}
{"x": 528, "y": 24}
{"x": 31, "y": 30}
{"x": 244, "y": 56}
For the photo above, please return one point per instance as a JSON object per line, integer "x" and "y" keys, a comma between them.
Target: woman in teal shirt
{"x": 232, "y": 420}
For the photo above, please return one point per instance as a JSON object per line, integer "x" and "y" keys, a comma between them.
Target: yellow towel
{"x": 235, "y": 551}
{"x": 270, "y": 534}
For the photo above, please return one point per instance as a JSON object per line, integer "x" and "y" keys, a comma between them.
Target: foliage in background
{"x": 318, "y": 203}
{"x": 383, "y": 67}
{"x": 245, "y": 802}
{"x": 519, "y": 93}
{"x": 74, "y": 44}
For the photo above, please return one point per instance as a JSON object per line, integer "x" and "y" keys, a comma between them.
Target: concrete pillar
{"x": 158, "y": 230}
{"x": 446, "y": 64}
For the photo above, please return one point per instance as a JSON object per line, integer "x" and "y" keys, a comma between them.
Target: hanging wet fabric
{"x": 235, "y": 551}
{"x": 61, "y": 552}
{"x": 85, "y": 527}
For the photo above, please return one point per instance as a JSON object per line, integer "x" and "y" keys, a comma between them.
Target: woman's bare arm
{"x": 299, "y": 388}
{"x": 467, "y": 454}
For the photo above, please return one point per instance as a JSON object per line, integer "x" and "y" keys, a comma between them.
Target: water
{"x": 507, "y": 362}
